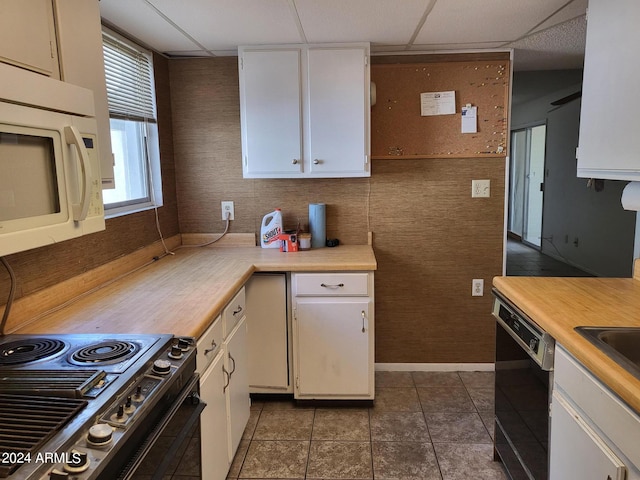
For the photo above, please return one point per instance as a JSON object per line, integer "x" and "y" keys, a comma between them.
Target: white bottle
{"x": 270, "y": 229}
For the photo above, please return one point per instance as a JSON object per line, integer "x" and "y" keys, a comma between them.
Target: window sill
{"x": 128, "y": 209}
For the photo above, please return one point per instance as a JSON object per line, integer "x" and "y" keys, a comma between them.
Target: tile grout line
{"x": 433, "y": 447}
{"x": 313, "y": 424}
{"x": 373, "y": 469}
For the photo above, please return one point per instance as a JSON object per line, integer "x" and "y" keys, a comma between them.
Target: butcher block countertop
{"x": 182, "y": 293}
{"x": 560, "y": 304}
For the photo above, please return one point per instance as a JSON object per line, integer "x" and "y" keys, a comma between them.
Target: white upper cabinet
{"x": 61, "y": 39}
{"x": 338, "y": 116}
{"x": 609, "y": 145}
{"x": 82, "y": 63}
{"x": 305, "y": 111}
{"x": 271, "y": 112}
{"x": 28, "y": 36}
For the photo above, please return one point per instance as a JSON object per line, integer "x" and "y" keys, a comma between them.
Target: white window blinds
{"x": 129, "y": 75}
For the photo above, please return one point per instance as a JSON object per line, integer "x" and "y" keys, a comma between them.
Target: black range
{"x": 88, "y": 406}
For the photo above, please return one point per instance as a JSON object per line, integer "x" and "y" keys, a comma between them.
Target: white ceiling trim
{"x": 421, "y": 23}
{"x": 296, "y": 18}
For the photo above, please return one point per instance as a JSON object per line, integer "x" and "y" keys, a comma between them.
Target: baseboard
{"x": 514, "y": 236}
{"x": 434, "y": 367}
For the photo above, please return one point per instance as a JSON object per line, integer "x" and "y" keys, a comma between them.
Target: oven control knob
{"x": 138, "y": 396}
{"x": 128, "y": 406}
{"x": 176, "y": 353}
{"x": 119, "y": 416}
{"x": 100, "y": 434}
{"x": 56, "y": 474}
{"x": 78, "y": 462}
{"x": 183, "y": 344}
{"x": 161, "y": 367}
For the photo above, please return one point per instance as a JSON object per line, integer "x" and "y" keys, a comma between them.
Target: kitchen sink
{"x": 622, "y": 344}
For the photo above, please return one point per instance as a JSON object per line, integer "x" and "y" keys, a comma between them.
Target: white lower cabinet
{"x": 333, "y": 348}
{"x": 237, "y": 390}
{"x": 578, "y": 451}
{"x": 269, "y": 333}
{"x": 594, "y": 435}
{"x": 224, "y": 387}
{"x": 333, "y": 332}
{"x": 213, "y": 421}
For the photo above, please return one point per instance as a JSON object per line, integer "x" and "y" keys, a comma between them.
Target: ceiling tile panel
{"x": 225, "y": 24}
{"x": 141, "y": 21}
{"x": 469, "y": 21}
{"x": 539, "y": 51}
{"x": 377, "y": 21}
{"x": 577, "y": 8}
{"x": 204, "y": 27}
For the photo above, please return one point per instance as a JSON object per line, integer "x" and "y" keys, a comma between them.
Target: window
{"x": 134, "y": 130}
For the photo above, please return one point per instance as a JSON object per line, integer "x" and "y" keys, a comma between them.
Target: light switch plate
{"x": 477, "y": 287}
{"x": 480, "y": 188}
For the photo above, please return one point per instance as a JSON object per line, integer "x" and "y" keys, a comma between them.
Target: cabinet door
{"x": 270, "y": 113}
{"x": 609, "y": 140}
{"x": 27, "y": 36}
{"x": 268, "y": 336}
{"x": 338, "y": 117}
{"x": 213, "y": 422}
{"x": 577, "y": 451}
{"x": 82, "y": 63}
{"x": 332, "y": 347}
{"x": 238, "y": 402}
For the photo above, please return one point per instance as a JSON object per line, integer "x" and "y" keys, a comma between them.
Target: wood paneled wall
{"x": 430, "y": 237}
{"x": 46, "y": 266}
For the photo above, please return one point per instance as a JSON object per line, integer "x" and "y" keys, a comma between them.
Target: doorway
{"x": 526, "y": 193}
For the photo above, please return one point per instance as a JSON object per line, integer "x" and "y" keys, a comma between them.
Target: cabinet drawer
{"x": 614, "y": 418}
{"x": 233, "y": 312}
{"x": 331, "y": 284}
{"x": 209, "y": 345}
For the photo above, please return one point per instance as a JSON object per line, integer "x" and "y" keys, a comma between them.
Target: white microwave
{"x": 50, "y": 186}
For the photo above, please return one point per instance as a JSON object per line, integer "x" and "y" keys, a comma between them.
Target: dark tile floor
{"x": 523, "y": 260}
{"x": 423, "y": 426}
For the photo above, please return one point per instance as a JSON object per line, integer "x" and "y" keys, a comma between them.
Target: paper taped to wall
{"x": 469, "y": 119}
{"x": 437, "y": 103}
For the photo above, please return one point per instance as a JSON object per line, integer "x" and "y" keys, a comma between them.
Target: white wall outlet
{"x": 477, "y": 287}
{"x": 480, "y": 188}
{"x": 227, "y": 209}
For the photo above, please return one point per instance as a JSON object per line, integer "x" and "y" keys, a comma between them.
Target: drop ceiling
{"x": 544, "y": 34}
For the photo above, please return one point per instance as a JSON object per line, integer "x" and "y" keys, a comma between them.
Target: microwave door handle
{"x": 72, "y": 137}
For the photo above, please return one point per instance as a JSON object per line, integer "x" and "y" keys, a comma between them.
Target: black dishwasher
{"x": 524, "y": 375}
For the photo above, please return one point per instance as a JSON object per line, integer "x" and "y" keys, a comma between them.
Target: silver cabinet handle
{"x": 339, "y": 285}
{"x": 363, "y": 319}
{"x": 294, "y": 161}
{"x": 224, "y": 389}
{"x": 214, "y": 345}
{"x": 234, "y": 364}
{"x": 316, "y": 161}
{"x": 235, "y": 312}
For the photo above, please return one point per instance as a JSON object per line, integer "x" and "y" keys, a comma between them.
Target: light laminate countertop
{"x": 558, "y": 305}
{"x": 183, "y": 293}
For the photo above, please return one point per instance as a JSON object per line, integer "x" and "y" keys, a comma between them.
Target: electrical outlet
{"x": 480, "y": 188}
{"x": 477, "y": 287}
{"x": 227, "y": 209}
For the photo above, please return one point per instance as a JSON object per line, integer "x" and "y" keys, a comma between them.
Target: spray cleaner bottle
{"x": 270, "y": 229}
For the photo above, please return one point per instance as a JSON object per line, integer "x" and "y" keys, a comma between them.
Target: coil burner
{"x": 29, "y": 350}
{"x": 105, "y": 353}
